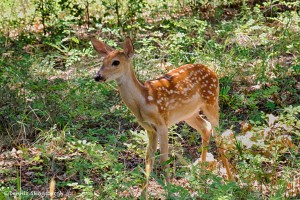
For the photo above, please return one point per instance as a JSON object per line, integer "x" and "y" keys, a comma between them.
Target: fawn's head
{"x": 116, "y": 63}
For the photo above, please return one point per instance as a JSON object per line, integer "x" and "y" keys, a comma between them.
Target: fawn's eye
{"x": 116, "y": 63}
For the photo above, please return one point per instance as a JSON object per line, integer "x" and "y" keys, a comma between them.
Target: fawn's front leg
{"x": 150, "y": 157}
{"x": 151, "y": 149}
{"x": 162, "y": 132}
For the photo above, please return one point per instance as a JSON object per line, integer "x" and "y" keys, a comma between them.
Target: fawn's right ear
{"x": 102, "y": 48}
{"x": 128, "y": 48}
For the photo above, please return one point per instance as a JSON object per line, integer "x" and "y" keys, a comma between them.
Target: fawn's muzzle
{"x": 99, "y": 77}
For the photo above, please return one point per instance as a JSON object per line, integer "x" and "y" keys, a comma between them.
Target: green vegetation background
{"x": 55, "y": 121}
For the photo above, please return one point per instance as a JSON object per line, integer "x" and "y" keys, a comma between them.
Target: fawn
{"x": 157, "y": 104}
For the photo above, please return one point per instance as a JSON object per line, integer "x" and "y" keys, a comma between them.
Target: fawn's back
{"x": 183, "y": 92}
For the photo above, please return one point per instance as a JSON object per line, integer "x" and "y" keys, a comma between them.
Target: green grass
{"x": 55, "y": 121}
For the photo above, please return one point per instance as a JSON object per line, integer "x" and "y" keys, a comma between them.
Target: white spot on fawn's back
{"x": 150, "y": 98}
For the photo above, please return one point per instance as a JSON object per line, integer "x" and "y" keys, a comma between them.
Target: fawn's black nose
{"x": 98, "y": 77}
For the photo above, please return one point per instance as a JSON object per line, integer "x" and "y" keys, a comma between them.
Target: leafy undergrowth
{"x": 264, "y": 157}
{"x": 56, "y": 122}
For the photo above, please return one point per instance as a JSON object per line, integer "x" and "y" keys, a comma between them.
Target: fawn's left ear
{"x": 102, "y": 48}
{"x": 128, "y": 48}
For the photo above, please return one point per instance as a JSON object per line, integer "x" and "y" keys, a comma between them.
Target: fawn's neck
{"x": 132, "y": 92}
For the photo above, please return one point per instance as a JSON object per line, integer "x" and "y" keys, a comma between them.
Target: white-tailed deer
{"x": 157, "y": 104}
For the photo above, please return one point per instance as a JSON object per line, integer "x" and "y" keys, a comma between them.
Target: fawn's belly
{"x": 182, "y": 110}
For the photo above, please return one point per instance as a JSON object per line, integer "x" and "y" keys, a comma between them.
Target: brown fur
{"x": 157, "y": 104}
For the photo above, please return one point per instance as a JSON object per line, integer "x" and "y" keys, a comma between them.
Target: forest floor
{"x": 57, "y": 123}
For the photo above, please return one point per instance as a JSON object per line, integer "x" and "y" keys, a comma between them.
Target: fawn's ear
{"x": 102, "y": 48}
{"x": 128, "y": 48}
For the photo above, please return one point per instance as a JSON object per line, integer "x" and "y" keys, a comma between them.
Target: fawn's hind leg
{"x": 212, "y": 113}
{"x": 204, "y": 127}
